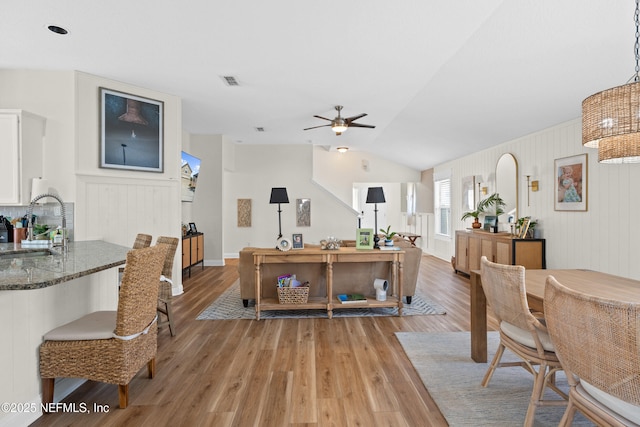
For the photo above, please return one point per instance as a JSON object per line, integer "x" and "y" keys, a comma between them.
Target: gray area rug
{"x": 444, "y": 364}
{"x": 229, "y": 306}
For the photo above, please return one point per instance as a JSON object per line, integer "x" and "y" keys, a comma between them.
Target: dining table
{"x": 590, "y": 282}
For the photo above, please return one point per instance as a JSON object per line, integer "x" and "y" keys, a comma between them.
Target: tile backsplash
{"x": 46, "y": 214}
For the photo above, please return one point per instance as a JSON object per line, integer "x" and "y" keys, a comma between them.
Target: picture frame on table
{"x": 131, "y": 132}
{"x": 192, "y": 228}
{"x": 298, "y": 243}
{"x": 364, "y": 238}
{"x": 522, "y": 234}
{"x": 489, "y": 221}
{"x": 571, "y": 189}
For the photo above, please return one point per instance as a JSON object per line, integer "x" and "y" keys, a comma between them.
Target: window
{"x": 442, "y": 204}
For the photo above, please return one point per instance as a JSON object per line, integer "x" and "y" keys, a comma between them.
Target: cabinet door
{"x": 200, "y": 248}
{"x": 186, "y": 253}
{"x": 503, "y": 252}
{"x": 462, "y": 256}
{"x": 194, "y": 250}
{"x": 10, "y": 149}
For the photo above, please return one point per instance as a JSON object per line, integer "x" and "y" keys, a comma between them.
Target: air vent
{"x": 259, "y": 129}
{"x": 230, "y": 81}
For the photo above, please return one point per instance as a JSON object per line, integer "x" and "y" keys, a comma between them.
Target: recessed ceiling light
{"x": 57, "y": 30}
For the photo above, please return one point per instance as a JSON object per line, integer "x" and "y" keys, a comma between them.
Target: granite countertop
{"x": 40, "y": 271}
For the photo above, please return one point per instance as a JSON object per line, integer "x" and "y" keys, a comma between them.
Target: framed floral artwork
{"x": 571, "y": 183}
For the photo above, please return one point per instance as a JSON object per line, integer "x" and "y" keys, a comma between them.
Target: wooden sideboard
{"x": 501, "y": 248}
{"x": 327, "y": 301}
{"x": 192, "y": 251}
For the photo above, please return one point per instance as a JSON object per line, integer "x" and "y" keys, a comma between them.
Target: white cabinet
{"x": 21, "y": 151}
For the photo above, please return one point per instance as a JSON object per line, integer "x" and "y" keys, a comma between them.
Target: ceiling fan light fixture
{"x": 610, "y": 118}
{"x": 338, "y": 128}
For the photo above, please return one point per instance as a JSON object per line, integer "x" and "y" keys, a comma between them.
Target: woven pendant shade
{"x": 611, "y": 123}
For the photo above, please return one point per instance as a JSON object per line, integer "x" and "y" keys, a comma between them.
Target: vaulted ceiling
{"x": 438, "y": 79}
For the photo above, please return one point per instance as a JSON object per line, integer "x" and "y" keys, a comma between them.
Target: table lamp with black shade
{"x": 375, "y": 195}
{"x": 279, "y": 195}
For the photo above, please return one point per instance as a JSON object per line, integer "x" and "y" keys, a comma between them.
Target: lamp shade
{"x": 279, "y": 195}
{"x": 375, "y": 195}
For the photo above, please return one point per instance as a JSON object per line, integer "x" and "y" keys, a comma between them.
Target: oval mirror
{"x": 507, "y": 186}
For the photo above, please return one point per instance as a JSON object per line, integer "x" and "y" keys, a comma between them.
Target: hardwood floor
{"x": 288, "y": 372}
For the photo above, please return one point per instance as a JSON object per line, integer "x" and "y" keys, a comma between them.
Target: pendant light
{"x": 611, "y": 118}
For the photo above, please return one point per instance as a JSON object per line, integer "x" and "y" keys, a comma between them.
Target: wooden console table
{"x": 328, "y": 257}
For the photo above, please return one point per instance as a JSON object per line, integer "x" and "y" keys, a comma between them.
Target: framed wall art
{"x": 303, "y": 212}
{"x": 244, "y": 212}
{"x": 131, "y": 132}
{"x": 571, "y": 183}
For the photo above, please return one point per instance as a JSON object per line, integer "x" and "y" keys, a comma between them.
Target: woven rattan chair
{"x": 165, "y": 293}
{"x": 520, "y": 331}
{"x": 110, "y": 346}
{"x": 598, "y": 343}
{"x": 142, "y": 241}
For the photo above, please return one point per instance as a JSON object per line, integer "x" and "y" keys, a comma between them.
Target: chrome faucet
{"x": 30, "y": 235}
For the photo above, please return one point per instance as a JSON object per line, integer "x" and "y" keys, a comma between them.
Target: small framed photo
{"x": 364, "y": 238}
{"x": 489, "y": 221}
{"x": 571, "y": 183}
{"x": 297, "y": 241}
{"x": 131, "y": 132}
{"x": 192, "y": 228}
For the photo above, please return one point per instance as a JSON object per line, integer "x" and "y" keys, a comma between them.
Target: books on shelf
{"x": 351, "y": 298}
{"x": 389, "y": 248}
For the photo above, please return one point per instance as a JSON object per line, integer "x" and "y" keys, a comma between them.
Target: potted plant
{"x": 494, "y": 206}
{"x": 474, "y": 214}
{"x": 388, "y": 236}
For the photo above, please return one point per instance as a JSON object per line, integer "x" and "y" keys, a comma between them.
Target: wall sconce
{"x": 533, "y": 185}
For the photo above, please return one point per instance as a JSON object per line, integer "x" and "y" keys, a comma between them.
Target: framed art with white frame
{"x": 571, "y": 183}
{"x": 298, "y": 243}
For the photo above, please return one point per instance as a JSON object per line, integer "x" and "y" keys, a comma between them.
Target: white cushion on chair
{"x": 619, "y": 406}
{"x": 524, "y": 337}
{"x": 94, "y": 326}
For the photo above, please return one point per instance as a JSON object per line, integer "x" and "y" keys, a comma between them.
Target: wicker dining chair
{"x": 110, "y": 346}
{"x": 142, "y": 241}
{"x": 598, "y": 342}
{"x": 165, "y": 293}
{"x": 521, "y": 332}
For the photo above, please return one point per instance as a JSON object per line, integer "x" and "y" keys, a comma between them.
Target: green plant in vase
{"x": 474, "y": 214}
{"x": 388, "y": 236}
{"x": 494, "y": 206}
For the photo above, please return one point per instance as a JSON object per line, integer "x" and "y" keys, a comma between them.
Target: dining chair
{"x": 521, "y": 332}
{"x": 165, "y": 293}
{"x": 598, "y": 342}
{"x": 110, "y": 346}
{"x": 142, "y": 241}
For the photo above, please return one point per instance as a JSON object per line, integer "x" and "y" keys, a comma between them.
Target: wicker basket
{"x": 299, "y": 295}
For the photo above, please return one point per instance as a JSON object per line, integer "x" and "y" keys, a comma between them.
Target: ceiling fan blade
{"x": 358, "y": 125}
{"x": 359, "y": 116}
{"x": 321, "y": 126}
{"x": 323, "y": 118}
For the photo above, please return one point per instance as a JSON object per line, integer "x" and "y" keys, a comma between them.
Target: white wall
{"x": 603, "y": 238}
{"x": 326, "y": 178}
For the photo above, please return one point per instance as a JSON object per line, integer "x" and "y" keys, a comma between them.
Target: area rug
{"x": 444, "y": 364}
{"x": 229, "y": 306}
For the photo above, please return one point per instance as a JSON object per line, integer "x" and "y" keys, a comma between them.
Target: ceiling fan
{"x": 340, "y": 124}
